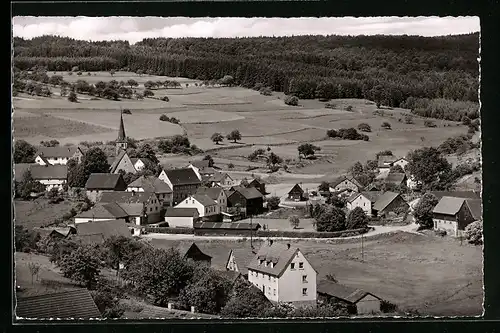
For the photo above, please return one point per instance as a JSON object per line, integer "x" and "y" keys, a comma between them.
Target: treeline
{"x": 385, "y": 68}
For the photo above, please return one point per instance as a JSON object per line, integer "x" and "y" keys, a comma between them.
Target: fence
{"x": 168, "y": 230}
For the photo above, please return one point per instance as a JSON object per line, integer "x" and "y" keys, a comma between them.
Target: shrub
{"x": 79, "y": 73}
{"x": 440, "y": 232}
{"x": 164, "y": 117}
{"x": 429, "y": 123}
{"x": 292, "y": 100}
{"x": 127, "y": 111}
{"x": 266, "y": 91}
{"x": 230, "y": 166}
{"x": 330, "y": 106}
{"x": 388, "y": 307}
{"x": 474, "y": 233}
{"x": 408, "y": 119}
{"x": 386, "y": 125}
{"x": 165, "y": 99}
{"x": 273, "y": 202}
{"x": 331, "y": 133}
{"x": 349, "y": 108}
{"x": 364, "y": 127}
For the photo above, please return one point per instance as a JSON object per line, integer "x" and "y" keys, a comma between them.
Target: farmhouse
{"x": 99, "y": 182}
{"x": 246, "y": 200}
{"x": 360, "y": 200}
{"x": 122, "y": 163}
{"x": 296, "y": 193}
{"x": 52, "y": 176}
{"x": 57, "y": 155}
{"x": 144, "y": 207}
{"x": 55, "y": 233}
{"x": 396, "y": 179}
{"x": 345, "y": 183}
{"x": 239, "y": 259}
{"x": 202, "y": 169}
{"x": 70, "y": 304}
{"x": 230, "y": 228}
{"x": 217, "y": 194}
{"x": 221, "y": 179}
{"x": 207, "y": 207}
{"x": 385, "y": 162}
{"x": 402, "y": 162}
{"x": 181, "y": 217}
{"x": 183, "y": 182}
{"x": 283, "y": 274}
{"x": 102, "y": 212}
{"x": 98, "y": 232}
{"x": 152, "y": 184}
{"x": 388, "y": 203}
{"x": 259, "y": 184}
{"x": 358, "y": 301}
{"x": 453, "y": 215}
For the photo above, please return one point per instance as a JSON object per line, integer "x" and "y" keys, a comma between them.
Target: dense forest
{"x": 387, "y": 69}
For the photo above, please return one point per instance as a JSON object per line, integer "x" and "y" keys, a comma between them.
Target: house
{"x": 152, "y": 184}
{"x": 283, "y": 274}
{"x": 238, "y": 260}
{"x": 58, "y": 155}
{"x": 247, "y": 200}
{"x": 191, "y": 251}
{"x": 202, "y": 169}
{"x": 345, "y": 183}
{"x": 389, "y": 202}
{"x": 453, "y": 214}
{"x": 140, "y": 163}
{"x": 217, "y": 194}
{"x": 122, "y": 163}
{"x": 259, "y": 184}
{"x": 102, "y": 212}
{"x": 183, "y": 182}
{"x": 70, "y": 304}
{"x": 221, "y": 179}
{"x": 296, "y": 193}
{"x": 402, "y": 162}
{"x": 358, "y": 301}
{"x": 98, "y": 232}
{"x": 52, "y": 176}
{"x": 360, "y": 200}
{"x": 55, "y": 233}
{"x": 476, "y": 208}
{"x": 396, "y": 179}
{"x": 99, "y": 182}
{"x": 181, "y": 217}
{"x": 385, "y": 163}
{"x": 246, "y": 229}
{"x": 206, "y": 206}
{"x": 144, "y": 207}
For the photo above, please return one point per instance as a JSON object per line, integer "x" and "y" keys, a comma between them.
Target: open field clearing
{"x": 24, "y": 114}
{"x": 39, "y": 212}
{"x": 204, "y": 116}
{"x": 413, "y": 271}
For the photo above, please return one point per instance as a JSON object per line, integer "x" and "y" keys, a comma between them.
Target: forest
{"x": 385, "y": 69}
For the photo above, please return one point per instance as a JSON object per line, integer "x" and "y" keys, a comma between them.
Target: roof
{"x": 183, "y": 176}
{"x": 125, "y": 196}
{"x": 104, "y": 210}
{"x": 60, "y": 151}
{"x": 76, "y": 303}
{"x": 181, "y": 212}
{"x": 353, "y": 196}
{"x": 384, "y": 200}
{"x": 247, "y": 192}
{"x": 204, "y": 200}
{"x": 296, "y": 188}
{"x": 372, "y": 195}
{"x": 121, "y": 130}
{"x": 117, "y": 160}
{"x": 211, "y": 192}
{"x": 100, "y": 230}
{"x": 48, "y": 171}
{"x": 201, "y": 164}
{"x": 395, "y": 178}
{"x": 256, "y": 180}
{"x": 219, "y": 176}
{"x": 457, "y": 194}
{"x": 183, "y": 248}
{"x": 151, "y": 184}
{"x": 132, "y": 209}
{"x": 448, "y": 205}
{"x": 475, "y": 206}
{"x": 278, "y": 254}
{"x": 227, "y": 225}
{"x": 143, "y": 159}
{"x": 44, "y": 159}
{"x": 243, "y": 257}
{"x": 342, "y": 292}
{"x": 103, "y": 181}
{"x": 64, "y": 232}
{"x": 385, "y": 160}
{"x": 340, "y": 179}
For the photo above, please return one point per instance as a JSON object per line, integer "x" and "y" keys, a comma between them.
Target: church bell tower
{"x": 121, "y": 142}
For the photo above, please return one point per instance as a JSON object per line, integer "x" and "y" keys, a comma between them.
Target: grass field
{"x": 39, "y": 212}
{"x": 436, "y": 276}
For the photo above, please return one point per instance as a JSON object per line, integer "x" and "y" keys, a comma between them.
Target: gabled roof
{"x": 97, "y": 232}
{"x": 278, "y": 254}
{"x": 133, "y": 209}
{"x": 143, "y": 159}
{"x": 448, "y": 205}
{"x": 151, "y": 184}
{"x": 340, "y": 179}
{"x": 353, "y": 196}
{"x": 457, "y": 194}
{"x": 395, "y": 178}
{"x": 184, "y": 176}
{"x": 372, "y": 195}
{"x": 181, "y": 212}
{"x": 384, "y": 161}
{"x": 62, "y": 232}
{"x": 399, "y": 159}
{"x": 126, "y": 197}
{"x": 60, "y": 151}
{"x": 219, "y": 176}
{"x": 204, "y": 200}
{"x": 44, "y": 159}
{"x": 117, "y": 160}
{"x": 102, "y": 211}
{"x": 347, "y": 294}
{"x": 475, "y": 206}
{"x": 39, "y": 172}
{"x": 384, "y": 200}
{"x": 121, "y": 130}
{"x": 296, "y": 188}
{"x": 103, "y": 181}
{"x": 71, "y": 304}
{"x": 211, "y": 192}
{"x": 256, "y": 180}
{"x": 242, "y": 257}
{"x": 247, "y": 192}
{"x": 184, "y": 248}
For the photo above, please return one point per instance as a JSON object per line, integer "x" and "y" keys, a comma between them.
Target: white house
{"x": 207, "y": 207}
{"x": 402, "y": 162}
{"x": 359, "y": 200}
{"x": 385, "y": 163}
{"x": 453, "y": 214}
{"x": 344, "y": 183}
{"x": 143, "y": 206}
{"x": 221, "y": 179}
{"x": 52, "y": 176}
{"x": 139, "y": 163}
{"x": 181, "y": 217}
{"x": 58, "y": 155}
{"x": 283, "y": 274}
{"x": 239, "y": 259}
{"x": 217, "y": 194}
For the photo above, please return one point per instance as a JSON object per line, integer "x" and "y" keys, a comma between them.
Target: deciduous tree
{"x": 217, "y": 137}
{"x": 423, "y": 210}
{"x": 24, "y": 152}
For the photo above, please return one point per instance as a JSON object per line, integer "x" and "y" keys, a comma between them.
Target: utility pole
{"x": 251, "y": 232}
{"x": 362, "y": 248}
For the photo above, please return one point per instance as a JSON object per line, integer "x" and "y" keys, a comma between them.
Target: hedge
{"x": 168, "y": 230}
{"x": 311, "y": 234}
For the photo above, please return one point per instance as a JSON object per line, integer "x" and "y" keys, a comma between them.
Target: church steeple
{"x": 121, "y": 142}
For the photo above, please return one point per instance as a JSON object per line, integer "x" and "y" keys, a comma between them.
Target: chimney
{"x": 288, "y": 246}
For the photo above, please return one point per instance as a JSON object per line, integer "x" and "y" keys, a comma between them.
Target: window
{"x": 301, "y": 265}
{"x": 304, "y": 291}
{"x": 269, "y": 277}
{"x": 151, "y": 209}
{"x": 274, "y": 292}
{"x": 304, "y": 278}
{"x": 269, "y": 290}
{"x": 292, "y": 266}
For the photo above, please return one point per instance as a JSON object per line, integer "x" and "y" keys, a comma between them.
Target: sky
{"x": 135, "y": 29}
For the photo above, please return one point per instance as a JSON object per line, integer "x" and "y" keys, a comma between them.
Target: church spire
{"x": 121, "y": 130}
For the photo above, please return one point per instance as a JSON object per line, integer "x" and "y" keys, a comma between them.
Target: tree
{"x": 330, "y": 219}
{"x": 474, "y": 233}
{"x": 72, "y": 97}
{"x": 371, "y": 165}
{"x": 34, "y": 269}
{"x": 209, "y": 159}
{"x": 356, "y": 169}
{"x": 292, "y": 100}
{"x": 356, "y": 219}
{"x": 217, "y": 137}
{"x": 307, "y": 149}
{"x": 120, "y": 250}
{"x": 386, "y": 125}
{"x": 383, "y": 153}
{"x": 246, "y": 301}
{"x": 273, "y": 202}
{"x": 408, "y": 119}
{"x": 274, "y": 159}
{"x": 235, "y": 135}
{"x": 49, "y": 143}
{"x": 146, "y": 151}
{"x": 294, "y": 221}
{"x": 331, "y": 133}
{"x": 364, "y": 127}
{"x": 227, "y": 80}
{"x": 423, "y": 210}
{"x": 24, "y": 152}
{"x": 81, "y": 266}
{"x": 125, "y": 92}
{"x": 28, "y": 185}
{"x": 429, "y": 167}
{"x": 94, "y": 160}
{"x": 54, "y": 195}
{"x": 324, "y": 187}
{"x": 164, "y": 117}
{"x": 148, "y": 93}
{"x": 107, "y": 300}
{"x": 25, "y": 240}
{"x": 132, "y": 83}
{"x": 112, "y": 72}
{"x": 396, "y": 169}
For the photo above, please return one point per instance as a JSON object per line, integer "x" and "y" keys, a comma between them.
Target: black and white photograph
{"x": 225, "y": 168}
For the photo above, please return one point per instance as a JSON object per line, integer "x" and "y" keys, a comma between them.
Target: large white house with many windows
{"x": 283, "y": 274}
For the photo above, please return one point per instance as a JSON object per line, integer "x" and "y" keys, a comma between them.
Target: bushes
{"x": 474, "y": 233}
{"x": 25, "y": 240}
{"x": 429, "y": 123}
{"x": 388, "y": 307}
{"x": 273, "y": 202}
{"x": 364, "y": 127}
{"x": 165, "y": 99}
{"x": 126, "y": 111}
{"x": 164, "y": 117}
{"x": 310, "y": 234}
{"x": 348, "y": 108}
{"x": 386, "y": 125}
{"x": 347, "y": 134}
{"x": 265, "y": 91}
{"x": 440, "y": 232}
{"x": 169, "y": 230}
{"x": 455, "y": 144}
{"x": 441, "y": 108}
{"x": 292, "y": 100}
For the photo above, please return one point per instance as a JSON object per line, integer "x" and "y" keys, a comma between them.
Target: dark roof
{"x": 218, "y": 176}
{"x": 44, "y": 159}
{"x": 71, "y": 304}
{"x": 104, "y": 210}
{"x": 348, "y": 294}
{"x": 204, "y": 200}
{"x": 184, "y": 248}
{"x": 340, "y": 179}
{"x": 296, "y": 188}
{"x": 247, "y": 192}
{"x": 100, "y": 230}
{"x": 227, "y": 225}
{"x": 201, "y": 164}
{"x": 457, "y": 194}
{"x": 133, "y": 209}
{"x": 448, "y": 205}
{"x": 103, "y": 181}
{"x": 372, "y": 195}
{"x": 151, "y": 184}
{"x": 232, "y": 276}
{"x": 243, "y": 257}
{"x": 121, "y": 130}
{"x": 117, "y": 160}
{"x": 184, "y": 176}
{"x": 63, "y": 232}
{"x": 384, "y": 200}
{"x": 48, "y": 171}
{"x": 211, "y": 192}
{"x": 181, "y": 212}
{"x": 143, "y": 159}
{"x": 60, "y": 151}
{"x": 384, "y": 161}
{"x": 353, "y": 196}
{"x": 475, "y": 206}
{"x": 278, "y": 254}
{"x": 395, "y": 178}
{"x": 125, "y": 196}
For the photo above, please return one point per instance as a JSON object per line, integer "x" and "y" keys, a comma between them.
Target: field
{"x": 264, "y": 121}
{"x": 39, "y": 212}
{"x": 436, "y": 276}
